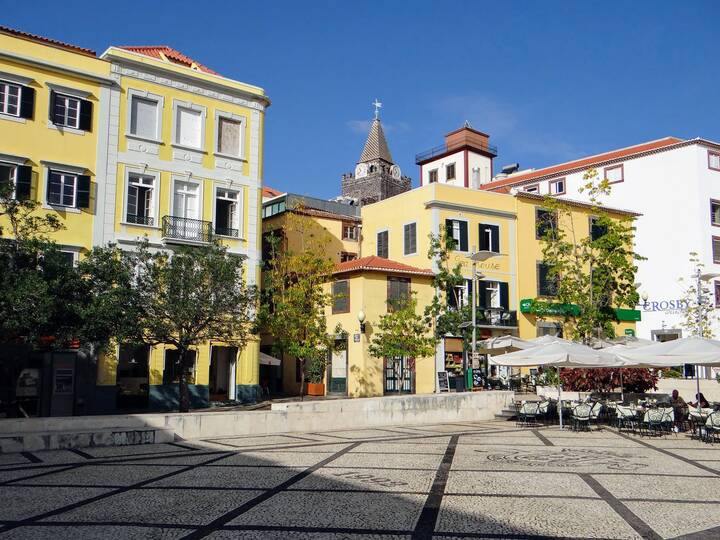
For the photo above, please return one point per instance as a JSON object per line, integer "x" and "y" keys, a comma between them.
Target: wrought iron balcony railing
{"x": 180, "y": 228}
{"x": 227, "y": 231}
{"x": 140, "y": 220}
{"x": 496, "y": 317}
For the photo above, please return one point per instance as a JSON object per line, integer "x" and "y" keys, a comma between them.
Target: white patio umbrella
{"x": 559, "y": 353}
{"x": 690, "y": 350}
{"x": 504, "y": 344}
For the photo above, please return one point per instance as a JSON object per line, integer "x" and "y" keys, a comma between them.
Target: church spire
{"x": 376, "y": 146}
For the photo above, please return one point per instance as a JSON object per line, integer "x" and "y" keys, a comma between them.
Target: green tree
{"x": 595, "y": 274}
{"x": 402, "y": 334}
{"x": 189, "y": 297}
{"x": 700, "y": 316}
{"x": 447, "y": 312}
{"x": 294, "y": 298}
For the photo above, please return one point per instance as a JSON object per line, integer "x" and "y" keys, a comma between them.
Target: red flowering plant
{"x": 604, "y": 380}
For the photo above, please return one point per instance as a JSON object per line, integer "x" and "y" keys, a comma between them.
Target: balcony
{"x": 422, "y": 157}
{"x": 496, "y": 318}
{"x": 183, "y": 229}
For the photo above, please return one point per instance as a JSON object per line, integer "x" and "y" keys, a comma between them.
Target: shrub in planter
{"x": 608, "y": 379}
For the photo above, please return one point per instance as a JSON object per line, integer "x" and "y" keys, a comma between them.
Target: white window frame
{"x": 553, "y": 186}
{"x": 240, "y": 208}
{"x": 153, "y": 203}
{"x": 68, "y": 99}
{"x": 416, "y": 239}
{"x": 493, "y": 291}
{"x": 200, "y": 195}
{"x": 177, "y": 105}
{"x": 160, "y": 104}
{"x": 242, "y": 120}
{"x": 5, "y": 103}
{"x": 63, "y": 177}
{"x": 13, "y": 174}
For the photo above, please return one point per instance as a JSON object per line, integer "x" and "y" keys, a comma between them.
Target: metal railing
{"x": 140, "y": 220}
{"x": 227, "y": 231}
{"x": 180, "y": 228}
{"x": 444, "y": 148}
{"x": 496, "y": 317}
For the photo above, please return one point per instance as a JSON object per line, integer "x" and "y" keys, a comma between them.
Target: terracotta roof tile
{"x": 47, "y": 41}
{"x": 271, "y": 192}
{"x": 163, "y": 52}
{"x": 582, "y": 163}
{"x": 378, "y": 264}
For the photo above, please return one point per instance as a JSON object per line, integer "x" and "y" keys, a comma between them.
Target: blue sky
{"x": 549, "y": 81}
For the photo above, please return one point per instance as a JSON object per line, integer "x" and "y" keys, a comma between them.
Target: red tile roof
{"x": 46, "y": 41}
{"x": 581, "y": 163}
{"x": 162, "y": 52}
{"x": 271, "y": 192}
{"x": 378, "y": 264}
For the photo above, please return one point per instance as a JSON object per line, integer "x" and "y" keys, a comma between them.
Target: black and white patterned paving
{"x": 461, "y": 480}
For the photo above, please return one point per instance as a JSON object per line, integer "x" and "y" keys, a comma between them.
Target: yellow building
{"x": 142, "y": 142}
{"x": 362, "y": 289}
{"x": 184, "y": 168}
{"x": 53, "y": 130}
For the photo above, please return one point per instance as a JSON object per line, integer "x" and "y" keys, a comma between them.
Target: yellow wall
{"x": 368, "y": 292}
{"x": 36, "y": 141}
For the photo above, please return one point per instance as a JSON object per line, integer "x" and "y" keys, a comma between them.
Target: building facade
{"x": 673, "y": 184}
{"x": 140, "y": 143}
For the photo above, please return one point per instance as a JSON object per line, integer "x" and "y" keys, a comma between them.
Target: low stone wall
{"x": 687, "y": 388}
{"x": 284, "y": 418}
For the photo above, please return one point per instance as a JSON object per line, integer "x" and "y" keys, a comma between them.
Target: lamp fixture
{"x": 361, "y": 320}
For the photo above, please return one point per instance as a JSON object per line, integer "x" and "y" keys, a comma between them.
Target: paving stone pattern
{"x": 461, "y": 480}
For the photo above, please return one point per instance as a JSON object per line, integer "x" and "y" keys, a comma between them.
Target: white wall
{"x": 458, "y": 158}
{"x": 672, "y": 189}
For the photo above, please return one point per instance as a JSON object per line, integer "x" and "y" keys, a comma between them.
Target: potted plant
{"x": 315, "y": 376}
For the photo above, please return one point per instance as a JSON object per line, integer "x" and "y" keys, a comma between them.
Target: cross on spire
{"x": 377, "y": 106}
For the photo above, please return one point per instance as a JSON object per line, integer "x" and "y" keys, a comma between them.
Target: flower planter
{"x": 315, "y": 389}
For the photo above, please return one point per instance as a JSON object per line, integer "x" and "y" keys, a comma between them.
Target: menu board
{"x": 443, "y": 383}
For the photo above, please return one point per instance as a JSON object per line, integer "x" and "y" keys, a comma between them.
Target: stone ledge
{"x": 34, "y": 441}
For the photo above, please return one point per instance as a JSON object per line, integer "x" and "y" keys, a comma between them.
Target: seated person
{"x": 700, "y": 401}
{"x": 676, "y": 401}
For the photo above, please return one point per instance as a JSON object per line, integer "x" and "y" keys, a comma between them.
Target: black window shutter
{"x": 452, "y": 298}
{"x": 482, "y": 293}
{"x": 463, "y": 236}
{"x": 482, "y": 234}
{"x": 83, "y": 192}
{"x": 52, "y": 179}
{"x": 27, "y": 102}
{"x": 23, "y": 182}
{"x": 495, "y": 233}
{"x": 51, "y": 110}
{"x": 86, "y": 108}
{"x": 468, "y": 286}
{"x": 504, "y": 296}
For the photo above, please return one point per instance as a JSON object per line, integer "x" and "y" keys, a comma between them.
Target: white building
{"x": 464, "y": 160}
{"x": 675, "y": 185}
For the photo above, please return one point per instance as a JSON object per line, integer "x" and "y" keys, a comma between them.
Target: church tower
{"x": 376, "y": 176}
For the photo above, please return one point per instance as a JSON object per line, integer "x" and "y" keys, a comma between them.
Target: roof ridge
{"x": 47, "y": 40}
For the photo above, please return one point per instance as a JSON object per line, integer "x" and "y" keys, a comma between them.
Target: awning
{"x": 267, "y": 360}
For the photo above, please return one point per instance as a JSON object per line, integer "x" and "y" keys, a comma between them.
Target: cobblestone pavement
{"x": 464, "y": 480}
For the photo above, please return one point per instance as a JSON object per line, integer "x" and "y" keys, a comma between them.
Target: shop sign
{"x": 669, "y": 307}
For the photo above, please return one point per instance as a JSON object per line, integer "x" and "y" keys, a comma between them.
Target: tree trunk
{"x": 302, "y": 379}
{"x": 184, "y": 391}
{"x": 401, "y": 375}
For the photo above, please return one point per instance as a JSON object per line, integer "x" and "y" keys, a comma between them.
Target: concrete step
{"x": 56, "y": 440}
{"x": 508, "y": 413}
